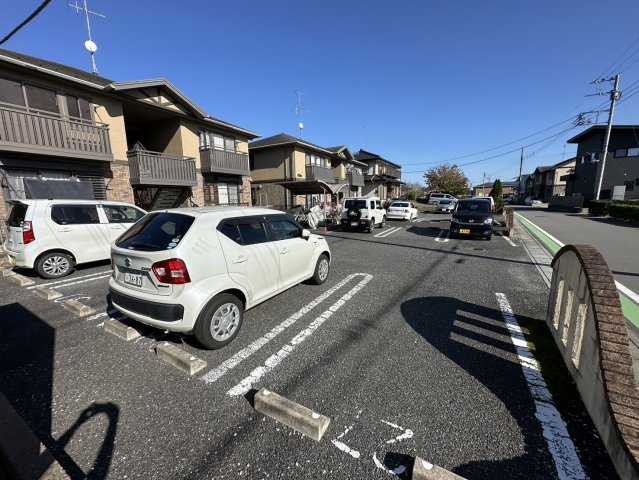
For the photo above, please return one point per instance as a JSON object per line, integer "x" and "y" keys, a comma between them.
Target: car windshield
{"x": 400, "y": 204}
{"x": 156, "y": 231}
{"x": 355, "y": 204}
{"x": 475, "y": 207}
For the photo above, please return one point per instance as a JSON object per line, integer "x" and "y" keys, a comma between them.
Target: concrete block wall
{"x": 587, "y": 323}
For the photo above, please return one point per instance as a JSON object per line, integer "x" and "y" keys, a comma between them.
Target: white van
{"x": 435, "y": 198}
{"x": 52, "y": 236}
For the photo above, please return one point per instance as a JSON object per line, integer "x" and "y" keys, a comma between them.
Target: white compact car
{"x": 402, "y": 211}
{"x": 53, "y": 236}
{"x": 196, "y": 270}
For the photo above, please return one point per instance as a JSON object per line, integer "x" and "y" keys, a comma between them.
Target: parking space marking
{"x": 64, "y": 285}
{"x": 512, "y": 244}
{"x": 274, "y": 360}
{"x": 554, "y": 429}
{"x": 442, "y": 237}
{"x": 70, "y": 279}
{"x": 245, "y": 353}
{"x": 388, "y": 232}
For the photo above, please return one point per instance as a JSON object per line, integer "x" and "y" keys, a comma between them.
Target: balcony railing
{"x": 155, "y": 168}
{"x": 36, "y": 133}
{"x": 324, "y": 174}
{"x": 220, "y": 161}
{"x": 356, "y": 179}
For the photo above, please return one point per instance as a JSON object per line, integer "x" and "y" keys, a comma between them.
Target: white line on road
{"x": 274, "y": 360}
{"x": 80, "y": 281}
{"x": 508, "y": 240}
{"x": 103, "y": 314}
{"x": 70, "y": 279}
{"x": 388, "y": 232}
{"x": 442, "y": 237}
{"x": 243, "y": 354}
{"x": 555, "y": 432}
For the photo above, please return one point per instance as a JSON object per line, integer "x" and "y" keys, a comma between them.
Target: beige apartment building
{"x": 288, "y": 171}
{"x": 68, "y": 133}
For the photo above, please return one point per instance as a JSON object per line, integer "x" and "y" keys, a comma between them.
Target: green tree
{"x": 496, "y": 193}
{"x": 446, "y": 179}
{"x": 411, "y": 195}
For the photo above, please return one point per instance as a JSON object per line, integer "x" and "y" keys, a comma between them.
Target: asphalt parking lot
{"x": 405, "y": 348}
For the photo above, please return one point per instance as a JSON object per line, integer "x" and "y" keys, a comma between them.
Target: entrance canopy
{"x": 309, "y": 187}
{"x": 58, "y": 189}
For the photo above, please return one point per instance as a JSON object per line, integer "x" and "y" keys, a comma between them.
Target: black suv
{"x": 472, "y": 218}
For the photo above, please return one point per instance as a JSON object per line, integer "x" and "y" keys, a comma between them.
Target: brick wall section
{"x": 617, "y": 373}
{"x": 198, "y": 191}
{"x": 119, "y": 187}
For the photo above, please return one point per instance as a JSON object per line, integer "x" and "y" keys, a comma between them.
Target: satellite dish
{"x": 90, "y": 46}
{"x": 301, "y": 125}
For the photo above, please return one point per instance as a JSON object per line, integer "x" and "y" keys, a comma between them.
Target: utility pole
{"x": 614, "y": 93}
{"x": 483, "y": 181}
{"x": 521, "y": 165}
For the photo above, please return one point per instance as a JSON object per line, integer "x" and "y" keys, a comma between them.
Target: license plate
{"x": 353, "y": 224}
{"x": 133, "y": 279}
{"x": 464, "y": 230}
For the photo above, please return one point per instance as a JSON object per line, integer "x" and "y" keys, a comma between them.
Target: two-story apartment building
{"x": 621, "y": 173}
{"x": 549, "y": 181}
{"x": 288, "y": 171}
{"x": 484, "y": 189}
{"x": 382, "y": 177}
{"x": 68, "y": 133}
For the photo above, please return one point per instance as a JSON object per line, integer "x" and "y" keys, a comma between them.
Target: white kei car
{"x": 401, "y": 210}
{"x": 196, "y": 270}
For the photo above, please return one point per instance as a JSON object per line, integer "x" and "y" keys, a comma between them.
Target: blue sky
{"x": 417, "y": 82}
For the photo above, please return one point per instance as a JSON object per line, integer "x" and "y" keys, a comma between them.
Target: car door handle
{"x": 284, "y": 251}
{"x": 65, "y": 229}
{"x": 240, "y": 259}
{"x": 116, "y": 227}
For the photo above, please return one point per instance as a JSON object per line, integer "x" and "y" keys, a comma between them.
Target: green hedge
{"x": 624, "y": 212}
{"x": 601, "y": 208}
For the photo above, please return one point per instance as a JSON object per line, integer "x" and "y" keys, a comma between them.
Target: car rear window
{"x": 355, "y": 204}
{"x": 400, "y": 204}
{"x": 16, "y": 214}
{"x": 156, "y": 231}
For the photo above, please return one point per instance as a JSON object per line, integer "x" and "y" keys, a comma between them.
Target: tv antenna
{"x": 89, "y": 44}
{"x": 299, "y": 109}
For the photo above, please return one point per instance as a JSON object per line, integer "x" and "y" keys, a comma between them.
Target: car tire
{"x": 54, "y": 265}
{"x": 488, "y": 237}
{"x": 371, "y": 225}
{"x": 219, "y": 322}
{"x": 383, "y": 224}
{"x": 322, "y": 269}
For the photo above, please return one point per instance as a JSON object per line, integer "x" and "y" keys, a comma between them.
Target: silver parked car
{"x": 445, "y": 206}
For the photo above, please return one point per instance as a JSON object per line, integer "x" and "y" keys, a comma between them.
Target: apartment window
{"x": 217, "y": 141}
{"x": 41, "y": 99}
{"x": 316, "y": 160}
{"x": 228, "y": 193}
{"x": 78, "y": 107}
{"x": 11, "y": 92}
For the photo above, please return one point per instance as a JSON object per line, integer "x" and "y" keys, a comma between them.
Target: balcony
{"x": 323, "y": 174}
{"x": 356, "y": 179}
{"x": 221, "y": 161}
{"x": 155, "y": 168}
{"x": 36, "y": 133}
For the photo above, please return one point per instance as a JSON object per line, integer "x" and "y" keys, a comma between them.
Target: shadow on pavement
{"x": 27, "y": 349}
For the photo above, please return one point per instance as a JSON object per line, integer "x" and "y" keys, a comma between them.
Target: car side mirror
{"x": 306, "y": 234}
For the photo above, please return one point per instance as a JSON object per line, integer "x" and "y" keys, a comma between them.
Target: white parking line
{"x": 554, "y": 429}
{"x": 80, "y": 281}
{"x": 274, "y": 360}
{"x": 70, "y": 279}
{"x": 388, "y": 232}
{"x": 245, "y": 353}
{"x": 443, "y": 236}
{"x": 512, "y": 244}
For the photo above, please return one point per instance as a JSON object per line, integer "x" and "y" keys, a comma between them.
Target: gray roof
{"x": 597, "y": 129}
{"x": 284, "y": 139}
{"x": 363, "y": 155}
{"x": 490, "y": 184}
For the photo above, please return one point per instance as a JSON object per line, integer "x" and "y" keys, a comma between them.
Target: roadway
{"x": 413, "y": 357}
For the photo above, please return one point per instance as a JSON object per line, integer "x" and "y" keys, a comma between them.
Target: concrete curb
{"x": 179, "y": 358}
{"x": 121, "y": 330}
{"x": 7, "y": 272}
{"x": 291, "y": 414}
{"x": 47, "y": 293}
{"x": 21, "y": 280}
{"x": 423, "y": 470}
{"x": 22, "y": 454}
{"x": 77, "y": 308}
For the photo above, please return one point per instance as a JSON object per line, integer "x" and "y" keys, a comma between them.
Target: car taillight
{"x": 28, "y": 235}
{"x": 171, "y": 271}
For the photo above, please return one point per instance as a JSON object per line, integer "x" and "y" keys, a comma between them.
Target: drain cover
{"x": 479, "y": 249}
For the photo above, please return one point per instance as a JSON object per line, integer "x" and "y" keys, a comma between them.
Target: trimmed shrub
{"x": 598, "y": 207}
{"x": 624, "y": 212}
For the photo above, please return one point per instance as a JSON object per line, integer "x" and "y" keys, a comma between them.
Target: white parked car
{"x": 530, "y": 201}
{"x": 401, "y": 210}
{"x": 435, "y": 198}
{"x": 52, "y": 236}
{"x": 364, "y": 213}
{"x": 196, "y": 270}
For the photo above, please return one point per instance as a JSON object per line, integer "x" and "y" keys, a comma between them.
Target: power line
{"x": 613, "y": 64}
{"x": 27, "y": 20}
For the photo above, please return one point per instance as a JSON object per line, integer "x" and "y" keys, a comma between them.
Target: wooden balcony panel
{"x": 155, "y": 168}
{"x": 35, "y": 133}
{"x": 220, "y": 161}
{"x": 324, "y": 174}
